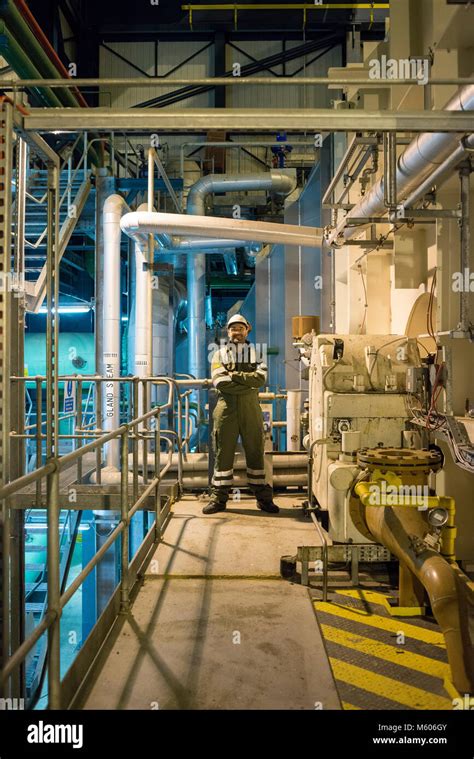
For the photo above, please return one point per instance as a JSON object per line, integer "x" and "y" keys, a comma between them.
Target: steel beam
{"x": 245, "y": 120}
{"x": 6, "y": 168}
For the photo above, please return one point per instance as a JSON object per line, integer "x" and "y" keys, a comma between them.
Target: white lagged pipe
{"x": 422, "y": 157}
{"x": 114, "y": 207}
{"x": 142, "y": 223}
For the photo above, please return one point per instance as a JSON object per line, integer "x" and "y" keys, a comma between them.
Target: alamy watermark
{"x": 383, "y": 494}
{"x": 247, "y": 353}
{"x": 400, "y": 68}
{"x": 47, "y": 733}
{"x": 12, "y": 704}
{"x": 463, "y": 282}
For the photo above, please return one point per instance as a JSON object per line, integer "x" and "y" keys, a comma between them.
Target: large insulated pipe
{"x": 196, "y": 293}
{"x": 196, "y": 266}
{"x": 274, "y": 181}
{"x": 402, "y": 531}
{"x": 442, "y": 172}
{"x": 114, "y": 207}
{"x": 222, "y": 228}
{"x": 207, "y": 244}
{"x": 143, "y": 306}
{"x": 293, "y": 419}
{"x": 421, "y": 158}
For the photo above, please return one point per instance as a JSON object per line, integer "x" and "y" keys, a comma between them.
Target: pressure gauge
{"x": 438, "y": 517}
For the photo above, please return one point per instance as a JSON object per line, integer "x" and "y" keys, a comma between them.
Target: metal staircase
{"x": 74, "y": 188}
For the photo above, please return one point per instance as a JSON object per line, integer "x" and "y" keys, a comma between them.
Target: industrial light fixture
{"x": 67, "y": 309}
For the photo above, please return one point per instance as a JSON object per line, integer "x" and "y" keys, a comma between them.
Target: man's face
{"x": 237, "y": 333}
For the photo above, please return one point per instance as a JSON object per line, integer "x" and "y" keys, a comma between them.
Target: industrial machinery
{"x": 369, "y": 481}
{"x": 357, "y": 398}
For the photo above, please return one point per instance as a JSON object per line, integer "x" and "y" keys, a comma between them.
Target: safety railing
{"x": 87, "y": 421}
{"x": 139, "y": 430}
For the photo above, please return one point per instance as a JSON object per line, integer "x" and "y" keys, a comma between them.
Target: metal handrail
{"x": 52, "y": 470}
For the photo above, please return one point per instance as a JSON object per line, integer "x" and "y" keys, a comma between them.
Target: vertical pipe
{"x": 186, "y": 422}
{"x": 104, "y": 187}
{"x": 113, "y": 209}
{"x": 196, "y": 279}
{"x": 157, "y": 475}
{"x": 333, "y": 290}
{"x": 54, "y": 592}
{"x": 293, "y": 420}
{"x": 148, "y": 304}
{"x": 124, "y": 580}
{"x": 136, "y": 414}
{"x": 464, "y": 175}
{"x": 143, "y": 313}
{"x": 144, "y": 429}
{"x": 77, "y": 443}
{"x": 39, "y": 436}
{"x": 180, "y": 437}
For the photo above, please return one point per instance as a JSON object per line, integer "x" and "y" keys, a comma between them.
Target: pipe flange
{"x": 400, "y": 459}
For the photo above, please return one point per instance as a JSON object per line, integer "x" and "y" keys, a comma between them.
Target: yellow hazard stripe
{"x": 365, "y": 595}
{"x": 386, "y": 687}
{"x": 382, "y": 600}
{"x": 346, "y": 705}
{"x": 393, "y": 654}
{"x": 382, "y": 623}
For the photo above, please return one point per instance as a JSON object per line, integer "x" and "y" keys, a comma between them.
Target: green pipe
{"x": 27, "y": 40}
{"x": 22, "y": 65}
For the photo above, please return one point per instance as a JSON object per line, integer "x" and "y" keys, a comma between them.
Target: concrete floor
{"x": 214, "y": 626}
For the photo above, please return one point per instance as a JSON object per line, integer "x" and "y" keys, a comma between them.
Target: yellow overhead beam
{"x": 287, "y": 7}
{"x": 236, "y": 7}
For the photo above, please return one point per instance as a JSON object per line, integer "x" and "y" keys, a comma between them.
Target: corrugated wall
{"x": 142, "y": 55}
{"x": 281, "y": 96}
{"x": 170, "y": 54}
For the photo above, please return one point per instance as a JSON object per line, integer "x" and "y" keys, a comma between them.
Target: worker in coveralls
{"x": 237, "y": 375}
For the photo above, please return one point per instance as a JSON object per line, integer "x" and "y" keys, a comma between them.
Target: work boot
{"x": 268, "y": 506}
{"x": 213, "y": 507}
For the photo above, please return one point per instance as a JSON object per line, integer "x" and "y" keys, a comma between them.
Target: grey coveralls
{"x": 238, "y": 412}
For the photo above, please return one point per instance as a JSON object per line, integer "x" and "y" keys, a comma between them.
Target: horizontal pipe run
{"x": 198, "y": 462}
{"x": 153, "y": 81}
{"x": 199, "y": 482}
{"x": 139, "y": 223}
{"x": 423, "y": 156}
{"x": 441, "y": 173}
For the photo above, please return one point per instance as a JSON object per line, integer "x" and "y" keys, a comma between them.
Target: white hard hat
{"x": 238, "y": 319}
